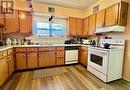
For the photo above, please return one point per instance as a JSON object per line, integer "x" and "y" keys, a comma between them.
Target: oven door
{"x": 98, "y": 59}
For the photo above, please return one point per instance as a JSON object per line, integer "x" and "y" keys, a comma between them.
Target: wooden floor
{"x": 75, "y": 78}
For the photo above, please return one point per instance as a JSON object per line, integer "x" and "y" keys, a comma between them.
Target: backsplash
{"x": 48, "y": 40}
{"x": 39, "y": 40}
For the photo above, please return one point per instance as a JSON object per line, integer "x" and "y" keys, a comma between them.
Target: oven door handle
{"x": 98, "y": 50}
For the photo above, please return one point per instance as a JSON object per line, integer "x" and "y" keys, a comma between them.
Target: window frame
{"x": 51, "y": 30}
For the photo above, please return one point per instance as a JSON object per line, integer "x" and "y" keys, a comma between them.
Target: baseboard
{"x": 126, "y": 79}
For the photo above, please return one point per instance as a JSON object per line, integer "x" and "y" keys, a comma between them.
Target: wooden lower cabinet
{"x": 10, "y": 61}
{"x": 3, "y": 70}
{"x": 60, "y": 54}
{"x": 47, "y": 59}
{"x": 32, "y": 60}
{"x": 83, "y": 56}
{"x": 60, "y": 61}
{"x": 21, "y": 61}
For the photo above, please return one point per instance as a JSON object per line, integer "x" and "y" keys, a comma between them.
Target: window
{"x": 43, "y": 28}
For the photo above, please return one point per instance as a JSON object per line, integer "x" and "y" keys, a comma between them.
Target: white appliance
{"x": 107, "y": 64}
{"x": 71, "y": 54}
{"x": 86, "y": 41}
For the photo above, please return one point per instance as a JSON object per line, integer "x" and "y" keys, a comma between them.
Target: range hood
{"x": 116, "y": 28}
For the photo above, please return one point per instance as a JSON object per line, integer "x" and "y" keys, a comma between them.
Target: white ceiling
{"x": 77, "y": 4}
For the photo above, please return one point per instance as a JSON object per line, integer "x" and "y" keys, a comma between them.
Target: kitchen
{"x": 50, "y": 45}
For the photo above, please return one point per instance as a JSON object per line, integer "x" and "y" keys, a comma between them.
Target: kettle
{"x": 107, "y": 45}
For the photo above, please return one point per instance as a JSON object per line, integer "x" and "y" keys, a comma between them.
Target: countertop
{"x": 2, "y": 48}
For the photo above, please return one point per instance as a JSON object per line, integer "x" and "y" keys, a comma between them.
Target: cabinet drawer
{"x": 31, "y": 49}
{"x": 3, "y": 54}
{"x": 10, "y": 51}
{"x": 84, "y": 48}
{"x": 60, "y": 61}
{"x": 46, "y": 49}
{"x": 60, "y": 48}
{"x": 20, "y": 49}
{"x": 60, "y": 54}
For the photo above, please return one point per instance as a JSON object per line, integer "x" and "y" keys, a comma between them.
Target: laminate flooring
{"x": 76, "y": 77}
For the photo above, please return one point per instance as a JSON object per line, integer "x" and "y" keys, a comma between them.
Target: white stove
{"x": 107, "y": 64}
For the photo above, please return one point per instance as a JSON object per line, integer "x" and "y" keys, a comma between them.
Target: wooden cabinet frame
{"x": 23, "y": 23}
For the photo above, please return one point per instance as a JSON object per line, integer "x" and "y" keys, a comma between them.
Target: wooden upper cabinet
{"x": 79, "y": 24}
{"x": 21, "y": 61}
{"x": 32, "y": 60}
{"x": 112, "y": 15}
{"x": 12, "y": 23}
{"x": 25, "y": 19}
{"x": 72, "y": 25}
{"x": 92, "y": 24}
{"x": 2, "y": 21}
{"x": 85, "y": 26}
{"x": 100, "y": 19}
{"x": 123, "y": 13}
{"x": 3, "y": 70}
{"x": 117, "y": 14}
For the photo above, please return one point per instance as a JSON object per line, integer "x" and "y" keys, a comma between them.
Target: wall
{"x": 102, "y": 5}
{"x": 40, "y": 7}
{"x": 126, "y": 35}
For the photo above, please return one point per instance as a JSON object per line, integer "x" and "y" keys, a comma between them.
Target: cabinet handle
{"x": 115, "y": 21}
{"x": 24, "y": 55}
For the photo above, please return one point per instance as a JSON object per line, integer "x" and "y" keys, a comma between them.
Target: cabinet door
{"x": 83, "y": 57}
{"x": 60, "y": 61}
{"x": 47, "y": 59}
{"x": 2, "y": 21}
{"x": 12, "y": 23}
{"x": 25, "y": 21}
{"x": 85, "y": 26}
{"x": 11, "y": 64}
{"x": 72, "y": 26}
{"x": 112, "y": 15}
{"x": 32, "y": 60}
{"x": 100, "y": 19}
{"x": 92, "y": 24}
{"x": 79, "y": 29}
{"x": 21, "y": 61}
{"x": 3, "y": 70}
{"x": 1, "y": 17}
